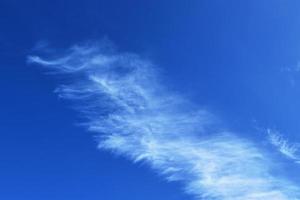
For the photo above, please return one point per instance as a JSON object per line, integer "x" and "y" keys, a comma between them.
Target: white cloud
{"x": 288, "y": 149}
{"x": 135, "y": 116}
{"x": 295, "y": 68}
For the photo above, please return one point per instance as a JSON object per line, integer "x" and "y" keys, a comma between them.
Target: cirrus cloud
{"x": 124, "y": 101}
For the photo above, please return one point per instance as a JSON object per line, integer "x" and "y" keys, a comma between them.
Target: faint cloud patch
{"x": 284, "y": 146}
{"x": 293, "y": 73}
{"x": 136, "y": 116}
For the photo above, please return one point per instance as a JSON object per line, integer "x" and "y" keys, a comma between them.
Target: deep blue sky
{"x": 229, "y": 56}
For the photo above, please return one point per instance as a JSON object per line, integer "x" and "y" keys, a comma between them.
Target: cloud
{"x": 288, "y": 149}
{"x": 295, "y": 68}
{"x": 124, "y": 101}
{"x": 292, "y": 73}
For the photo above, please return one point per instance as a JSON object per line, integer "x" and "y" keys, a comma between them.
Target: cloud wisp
{"x": 124, "y": 101}
{"x": 285, "y": 147}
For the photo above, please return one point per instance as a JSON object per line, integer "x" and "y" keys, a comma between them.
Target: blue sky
{"x": 181, "y": 93}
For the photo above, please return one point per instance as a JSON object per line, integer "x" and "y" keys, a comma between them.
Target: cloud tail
{"x": 284, "y": 146}
{"x": 124, "y": 101}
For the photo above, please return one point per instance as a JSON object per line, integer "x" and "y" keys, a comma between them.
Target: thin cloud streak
{"x": 123, "y": 100}
{"x": 285, "y": 147}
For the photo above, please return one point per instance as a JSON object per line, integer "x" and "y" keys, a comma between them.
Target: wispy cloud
{"x": 295, "y": 68}
{"x": 292, "y": 73}
{"x": 287, "y": 148}
{"x": 136, "y": 116}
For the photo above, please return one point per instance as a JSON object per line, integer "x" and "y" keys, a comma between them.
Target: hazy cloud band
{"x": 121, "y": 96}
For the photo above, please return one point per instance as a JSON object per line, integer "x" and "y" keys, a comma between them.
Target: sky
{"x": 164, "y": 100}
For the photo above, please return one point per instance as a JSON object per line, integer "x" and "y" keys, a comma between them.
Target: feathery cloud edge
{"x": 123, "y": 100}
{"x": 284, "y": 146}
